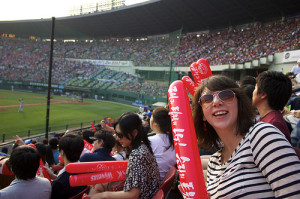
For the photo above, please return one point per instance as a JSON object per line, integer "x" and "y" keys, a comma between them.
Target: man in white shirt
{"x": 25, "y": 162}
{"x": 296, "y": 68}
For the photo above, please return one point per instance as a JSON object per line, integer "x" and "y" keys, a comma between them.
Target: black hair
{"x": 49, "y": 156}
{"x": 72, "y": 145}
{"x": 4, "y": 150}
{"x": 109, "y": 140}
{"x": 24, "y": 161}
{"x": 86, "y": 136}
{"x": 128, "y": 122}
{"x": 248, "y": 89}
{"x": 53, "y": 142}
{"x": 41, "y": 148}
{"x": 161, "y": 116}
{"x": 277, "y": 86}
{"x": 247, "y": 80}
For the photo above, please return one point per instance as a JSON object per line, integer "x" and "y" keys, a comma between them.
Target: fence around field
{"x": 74, "y": 127}
{"x": 58, "y": 129}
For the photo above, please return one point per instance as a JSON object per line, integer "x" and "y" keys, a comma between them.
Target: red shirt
{"x": 276, "y": 118}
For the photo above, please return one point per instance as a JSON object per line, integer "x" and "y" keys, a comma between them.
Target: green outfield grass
{"x": 33, "y": 117}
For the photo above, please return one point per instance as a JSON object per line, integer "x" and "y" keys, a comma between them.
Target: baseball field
{"x": 64, "y": 113}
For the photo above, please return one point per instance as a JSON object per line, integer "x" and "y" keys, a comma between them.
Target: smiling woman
{"x": 248, "y": 154}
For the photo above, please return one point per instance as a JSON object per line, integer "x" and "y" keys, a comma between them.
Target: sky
{"x": 11, "y": 10}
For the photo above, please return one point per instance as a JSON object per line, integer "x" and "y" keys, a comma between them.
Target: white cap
{"x": 298, "y": 61}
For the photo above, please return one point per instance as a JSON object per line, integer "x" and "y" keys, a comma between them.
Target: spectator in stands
{"x": 49, "y": 156}
{"x": 248, "y": 89}
{"x": 119, "y": 152}
{"x": 45, "y": 141}
{"x": 162, "y": 143}
{"x": 224, "y": 115}
{"x": 295, "y": 136}
{"x": 70, "y": 148}
{"x": 272, "y": 91}
{"x": 103, "y": 144}
{"x": 53, "y": 142}
{"x": 146, "y": 124}
{"x": 42, "y": 150}
{"x": 247, "y": 80}
{"x": 296, "y": 68}
{"x": 25, "y": 162}
{"x": 142, "y": 175}
{"x": 4, "y": 151}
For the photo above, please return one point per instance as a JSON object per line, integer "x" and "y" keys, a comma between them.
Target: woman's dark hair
{"x": 246, "y": 111}
{"x": 41, "y": 148}
{"x": 161, "y": 116}
{"x": 130, "y": 121}
{"x": 24, "y": 161}
{"x": 49, "y": 156}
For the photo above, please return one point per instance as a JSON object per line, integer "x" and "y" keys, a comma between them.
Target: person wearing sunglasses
{"x": 253, "y": 160}
{"x": 142, "y": 175}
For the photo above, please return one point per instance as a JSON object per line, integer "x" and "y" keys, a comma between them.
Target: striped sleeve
{"x": 276, "y": 159}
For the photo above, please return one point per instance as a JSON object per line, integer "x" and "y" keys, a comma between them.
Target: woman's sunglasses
{"x": 225, "y": 96}
{"x": 119, "y": 135}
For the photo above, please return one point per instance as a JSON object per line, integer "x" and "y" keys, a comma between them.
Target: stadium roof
{"x": 155, "y": 17}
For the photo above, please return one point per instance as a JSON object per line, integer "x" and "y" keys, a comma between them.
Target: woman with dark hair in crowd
{"x": 255, "y": 160}
{"x": 142, "y": 175}
{"x": 162, "y": 143}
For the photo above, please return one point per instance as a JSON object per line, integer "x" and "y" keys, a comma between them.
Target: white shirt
{"x": 164, "y": 158}
{"x": 37, "y": 188}
{"x": 263, "y": 165}
{"x": 296, "y": 69}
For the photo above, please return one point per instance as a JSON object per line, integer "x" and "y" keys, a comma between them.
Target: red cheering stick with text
{"x": 185, "y": 141}
{"x": 200, "y": 71}
{"x": 97, "y": 178}
{"x": 97, "y": 172}
{"x": 90, "y": 167}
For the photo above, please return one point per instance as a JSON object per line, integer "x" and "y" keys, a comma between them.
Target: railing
{"x": 33, "y": 133}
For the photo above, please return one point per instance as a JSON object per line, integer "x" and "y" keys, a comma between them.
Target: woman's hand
{"x": 18, "y": 140}
{"x": 105, "y": 127}
{"x": 51, "y": 174}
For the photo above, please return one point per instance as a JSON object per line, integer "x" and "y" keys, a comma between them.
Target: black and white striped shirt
{"x": 264, "y": 165}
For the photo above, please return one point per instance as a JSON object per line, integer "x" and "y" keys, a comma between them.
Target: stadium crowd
{"x": 257, "y": 142}
{"x": 28, "y": 60}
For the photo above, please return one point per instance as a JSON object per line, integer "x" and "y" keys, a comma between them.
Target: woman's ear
{"x": 134, "y": 133}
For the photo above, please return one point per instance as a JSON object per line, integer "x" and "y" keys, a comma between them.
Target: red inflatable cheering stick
{"x": 97, "y": 172}
{"x": 186, "y": 147}
{"x": 200, "y": 71}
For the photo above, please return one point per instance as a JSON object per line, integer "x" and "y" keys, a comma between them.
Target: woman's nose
{"x": 217, "y": 100}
